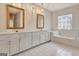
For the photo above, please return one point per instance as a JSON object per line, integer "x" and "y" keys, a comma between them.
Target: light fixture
{"x": 41, "y": 5}
{"x": 37, "y": 8}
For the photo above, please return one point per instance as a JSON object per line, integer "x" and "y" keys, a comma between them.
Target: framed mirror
{"x": 15, "y": 17}
{"x": 40, "y": 21}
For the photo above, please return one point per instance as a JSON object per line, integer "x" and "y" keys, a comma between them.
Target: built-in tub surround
{"x": 12, "y": 43}
{"x": 65, "y": 34}
{"x": 69, "y": 40}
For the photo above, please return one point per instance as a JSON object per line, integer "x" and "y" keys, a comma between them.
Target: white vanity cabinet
{"x": 4, "y": 48}
{"x": 14, "y": 44}
{"x": 25, "y": 41}
{"x": 47, "y": 36}
{"x": 44, "y": 37}
{"x": 35, "y": 38}
{"x": 4, "y": 44}
{"x": 11, "y": 44}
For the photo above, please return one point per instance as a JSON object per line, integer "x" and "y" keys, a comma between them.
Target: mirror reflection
{"x": 40, "y": 21}
{"x": 15, "y": 17}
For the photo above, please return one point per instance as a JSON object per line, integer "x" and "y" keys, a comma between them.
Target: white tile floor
{"x": 52, "y": 49}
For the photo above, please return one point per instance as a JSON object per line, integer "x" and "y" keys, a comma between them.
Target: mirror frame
{"x": 8, "y": 6}
{"x": 37, "y": 23}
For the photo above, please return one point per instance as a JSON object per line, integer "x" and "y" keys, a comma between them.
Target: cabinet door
{"x": 14, "y": 44}
{"x": 4, "y": 44}
{"x": 42, "y": 37}
{"x": 35, "y": 38}
{"x": 25, "y": 41}
{"x": 4, "y": 48}
{"x": 47, "y": 36}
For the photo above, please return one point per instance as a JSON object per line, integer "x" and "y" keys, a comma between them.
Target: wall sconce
{"x": 40, "y": 10}
{"x": 33, "y": 9}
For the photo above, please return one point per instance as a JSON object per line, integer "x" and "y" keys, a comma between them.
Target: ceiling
{"x": 54, "y": 6}
{"x": 57, "y": 6}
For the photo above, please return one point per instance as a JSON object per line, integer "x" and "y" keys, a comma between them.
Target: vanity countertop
{"x": 4, "y": 33}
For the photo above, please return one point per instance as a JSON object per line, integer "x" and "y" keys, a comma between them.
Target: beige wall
{"x": 30, "y": 20}
{"x": 70, "y": 10}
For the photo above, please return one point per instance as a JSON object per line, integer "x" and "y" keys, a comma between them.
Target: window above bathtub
{"x": 65, "y": 22}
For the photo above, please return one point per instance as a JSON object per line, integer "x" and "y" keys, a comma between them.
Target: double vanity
{"x": 14, "y": 43}
{"x": 17, "y": 42}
